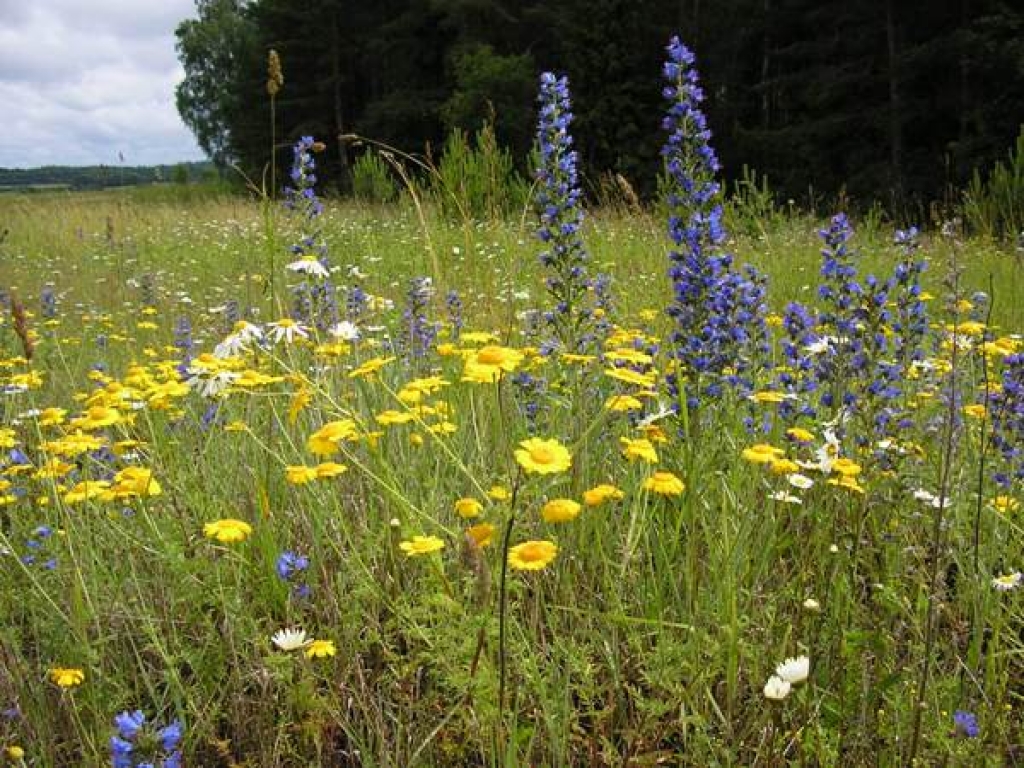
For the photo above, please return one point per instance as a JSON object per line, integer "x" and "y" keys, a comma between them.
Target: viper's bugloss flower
{"x": 313, "y": 300}
{"x": 856, "y": 371}
{"x": 138, "y": 744}
{"x": 910, "y": 321}
{"x": 718, "y": 311}
{"x": 558, "y": 204}
{"x": 1007, "y": 408}
{"x": 420, "y": 333}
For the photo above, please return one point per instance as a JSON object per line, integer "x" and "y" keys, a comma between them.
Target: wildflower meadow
{"x": 293, "y": 481}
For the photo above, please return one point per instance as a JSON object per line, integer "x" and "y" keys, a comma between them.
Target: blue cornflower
{"x": 290, "y": 563}
{"x": 48, "y": 301}
{"x": 291, "y": 568}
{"x": 965, "y": 724}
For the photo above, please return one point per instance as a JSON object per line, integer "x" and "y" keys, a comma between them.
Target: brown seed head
{"x": 275, "y": 77}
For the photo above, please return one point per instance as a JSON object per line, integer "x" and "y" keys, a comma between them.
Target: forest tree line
{"x": 881, "y": 100}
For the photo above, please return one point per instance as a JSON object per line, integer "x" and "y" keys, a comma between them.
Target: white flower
{"x": 776, "y": 688}
{"x": 785, "y": 498}
{"x": 812, "y": 605}
{"x": 290, "y": 639}
{"x": 211, "y": 384}
{"x": 248, "y": 332}
{"x": 345, "y": 330}
{"x": 1008, "y": 581}
{"x": 309, "y": 267}
{"x": 288, "y": 330}
{"x": 803, "y": 482}
{"x": 232, "y": 346}
{"x": 794, "y": 671}
{"x": 930, "y": 498}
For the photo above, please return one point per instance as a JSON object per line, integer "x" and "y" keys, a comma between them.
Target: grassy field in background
{"x": 648, "y": 639}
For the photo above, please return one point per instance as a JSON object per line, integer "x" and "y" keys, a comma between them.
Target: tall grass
{"x": 650, "y": 637}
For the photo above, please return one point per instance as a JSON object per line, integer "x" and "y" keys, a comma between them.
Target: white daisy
{"x": 794, "y": 671}
{"x": 1008, "y": 581}
{"x": 309, "y": 267}
{"x": 803, "y": 482}
{"x": 288, "y": 330}
{"x": 345, "y": 331}
{"x": 785, "y": 498}
{"x": 776, "y": 688}
{"x": 290, "y": 639}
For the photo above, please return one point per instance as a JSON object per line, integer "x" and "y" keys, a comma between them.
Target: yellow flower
{"x": 329, "y": 469}
{"x": 14, "y": 752}
{"x": 627, "y": 355}
{"x": 800, "y": 434}
{"x": 487, "y": 365}
{"x": 599, "y": 494}
{"x": 499, "y": 493}
{"x": 324, "y": 442}
{"x": 639, "y": 448}
{"x": 620, "y": 403}
{"x": 135, "y": 481}
{"x": 761, "y": 454}
{"x": 976, "y": 411}
{"x": 481, "y": 534}
{"x": 629, "y": 376}
{"x": 52, "y": 469}
{"x": 421, "y": 545}
{"x": 543, "y": 456}
{"x": 532, "y": 555}
{"x": 847, "y": 481}
{"x": 665, "y": 484}
{"x": 768, "y": 396}
{"x": 300, "y": 400}
{"x": 97, "y": 417}
{"x": 560, "y": 511}
{"x": 228, "y": 530}
{"x": 321, "y": 649}
{"x": 1005, "y": 504}
{"x": 468, "y": 507}
{"x": 370, "y": 367}
{"x": 66, "y": 677}
{"x": 51, "y": 417}
{"x": 300, "y": 475}
{"x": 478, "y": 337}
{"x": 85, "y": 490}
{"x": 846, "y": 467}
{"x": 387, "y": 418}
{"x": 783, "y": 467}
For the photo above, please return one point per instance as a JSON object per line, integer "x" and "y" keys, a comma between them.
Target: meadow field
{"x": 490, "y": 553}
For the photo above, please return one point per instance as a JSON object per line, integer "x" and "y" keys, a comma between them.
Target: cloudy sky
{"x": 82, "y": 80}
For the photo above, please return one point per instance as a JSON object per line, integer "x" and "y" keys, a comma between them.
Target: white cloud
{"x": 84, "y": 80}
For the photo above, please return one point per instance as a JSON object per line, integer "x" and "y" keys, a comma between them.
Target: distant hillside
{"x": 101, "y": 176}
